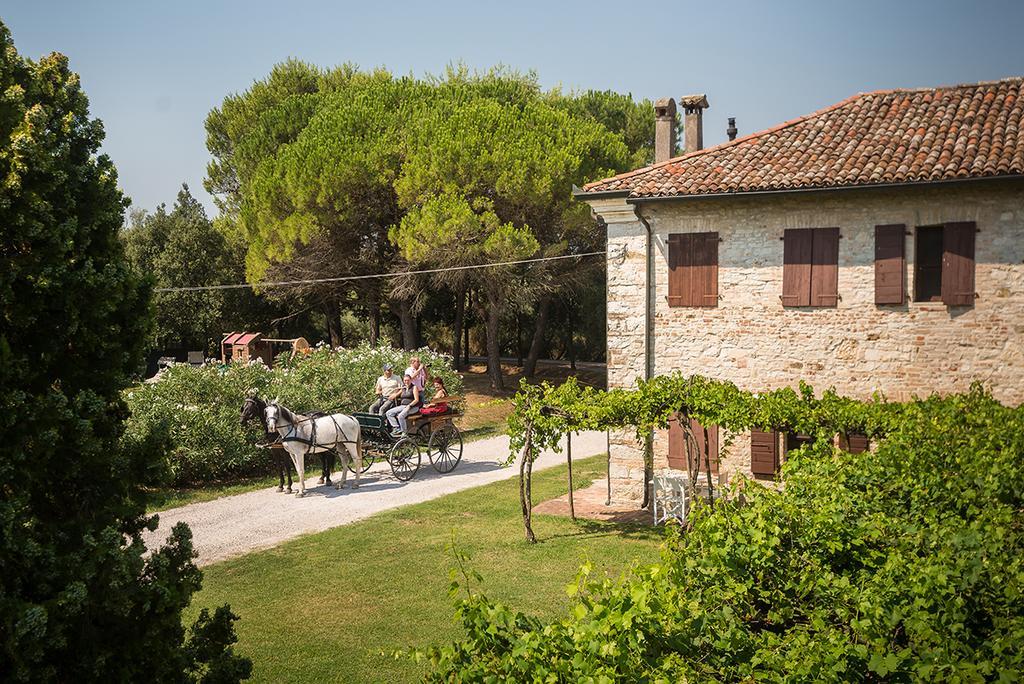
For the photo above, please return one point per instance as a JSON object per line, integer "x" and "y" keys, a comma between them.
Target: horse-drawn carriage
{"x": 435, "y": 434}
{"x": 357, "y": 440}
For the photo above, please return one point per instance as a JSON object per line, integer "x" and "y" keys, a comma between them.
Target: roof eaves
{"x": 819, "y": 188}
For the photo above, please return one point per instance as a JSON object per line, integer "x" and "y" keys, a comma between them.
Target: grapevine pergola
{"x": 544, "y": 413}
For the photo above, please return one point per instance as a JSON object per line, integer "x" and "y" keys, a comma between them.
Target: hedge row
{"x": 194, "y": 411}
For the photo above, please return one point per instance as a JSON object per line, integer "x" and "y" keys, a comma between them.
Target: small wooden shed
{"x": 245, "y": 347}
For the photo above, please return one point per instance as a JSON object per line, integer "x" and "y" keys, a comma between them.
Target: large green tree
{"x": 78, "y": 599}
{"x": 511, "y": 165}
{"x": 317, "y": 169}
{"x": 183, "y": 248}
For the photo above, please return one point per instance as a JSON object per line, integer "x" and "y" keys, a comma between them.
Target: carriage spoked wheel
{"x": 445, "y": 448}
{"x": 368, "y": 458}
{"x": 405, "y": 459}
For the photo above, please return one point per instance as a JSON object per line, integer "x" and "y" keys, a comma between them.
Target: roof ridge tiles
{"x": 925, "y": 135}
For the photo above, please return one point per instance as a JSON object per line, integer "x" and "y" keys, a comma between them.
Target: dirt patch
{"x": 486, "y": 406}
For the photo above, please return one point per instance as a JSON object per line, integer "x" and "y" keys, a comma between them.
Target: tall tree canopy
{"x": 340, "y": 173}
{"x": 78, "y": 601}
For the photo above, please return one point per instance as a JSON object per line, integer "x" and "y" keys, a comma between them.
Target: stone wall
{"x": 857, "y": 347}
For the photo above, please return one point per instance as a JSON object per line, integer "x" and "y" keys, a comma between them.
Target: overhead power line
{"x": 312, "y": 281}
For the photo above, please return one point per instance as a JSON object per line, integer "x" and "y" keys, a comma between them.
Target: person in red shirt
{"x": 437, "y": 403}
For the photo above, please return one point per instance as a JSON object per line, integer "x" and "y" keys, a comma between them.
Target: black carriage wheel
{"x": 445, "y": 448}
{"x": 368, "y": 458}
{"x": 405, "y": 459}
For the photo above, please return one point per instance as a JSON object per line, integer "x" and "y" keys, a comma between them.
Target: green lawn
{"x": 324, "y": 607}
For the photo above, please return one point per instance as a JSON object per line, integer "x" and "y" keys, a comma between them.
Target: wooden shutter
{"x": 853, "y": 443}
{"x": 796, "y": 267}
{"x": 708, "y": 437}
{"x": 958, "y": 264}
{"x": 680, "y": 252}
{"x": 890, "y": 264}
{"x": 693, "y": 269}
{"x": 764, "y": 452}
{"x": 678, "y": 458}
{"x": 706, "y": 280}
{"x": 676, "y": 445}
{"x": 825, "y": 267}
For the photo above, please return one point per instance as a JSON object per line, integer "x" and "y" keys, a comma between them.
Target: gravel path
{"x": 235, "y": 525}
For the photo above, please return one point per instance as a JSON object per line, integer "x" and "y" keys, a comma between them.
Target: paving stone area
{"x": 590, "y": 505}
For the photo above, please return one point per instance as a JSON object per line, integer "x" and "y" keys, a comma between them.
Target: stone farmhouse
{"x": 876, "y": 245}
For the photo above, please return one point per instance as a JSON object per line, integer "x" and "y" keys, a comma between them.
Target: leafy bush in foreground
{"x": 80, "y": 601}
{"x": 902, "y": 564}
{"x": 197, "y": 408}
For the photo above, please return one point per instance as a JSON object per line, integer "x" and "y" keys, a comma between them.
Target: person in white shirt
{"x": 418, "y": 372}
{"x": 387, "y": 389}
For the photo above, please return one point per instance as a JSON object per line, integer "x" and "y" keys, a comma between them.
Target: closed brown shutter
{"x": 764, "y": 452}
{"x": 708, "y": 437}
{"x": 693, "y": 269}
{"x": 796, "y": 267}
{"x": 825, "y": 267}
{"x": 853, "y": 443}
{"x": 676, "y": 445}
{"x": 890, "y": 263}
{"x": 958, "y": 264}
{"x": 680, "y": 252}
{"x": 707, "y": 274}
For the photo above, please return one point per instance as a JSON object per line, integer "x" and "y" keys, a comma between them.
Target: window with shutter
{"x": 928, "y": 264}
{"x": 944, "y": 264}
{"x": 958, "y": 264}
{"x": 890, "y": 263}
{"x": 853, "y": 443}
{"x": 764, "y": 452}
{"x": 810, "y": 272}
{"x": 679, "y": 455}
{"x": 795, "y": 441}
{"x": 693, "y": 269}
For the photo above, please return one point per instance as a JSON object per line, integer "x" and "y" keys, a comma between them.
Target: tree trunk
{"x": 519, "y": 340}
{"x": 493, "y": 342}
{"x": 568, "y": 457}
{"x": 374, "y": 322}
{"x": 570, "y": 344}
{"x": 539, "y": 330}
{"x": 332, "y": 317}
{"x": 526, "y": 485}
{"x": 460, "y": 319}
{"x": 465, "y": 334}
{"x": 408, "y": 323}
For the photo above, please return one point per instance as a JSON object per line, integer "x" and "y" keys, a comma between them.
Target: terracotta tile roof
{"x": 893, "y": 136}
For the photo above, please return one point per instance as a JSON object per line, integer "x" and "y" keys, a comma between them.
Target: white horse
{"x": 301, "y": 435}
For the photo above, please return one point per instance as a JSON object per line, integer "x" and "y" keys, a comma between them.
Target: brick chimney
{"x": 693, "y": 124}
{"x": 664, "y": 129}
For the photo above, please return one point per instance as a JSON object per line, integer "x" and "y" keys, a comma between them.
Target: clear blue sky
{"x": 153, "y": 70}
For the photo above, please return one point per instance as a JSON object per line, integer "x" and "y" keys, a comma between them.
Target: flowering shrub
{"x": 196, "y": 409}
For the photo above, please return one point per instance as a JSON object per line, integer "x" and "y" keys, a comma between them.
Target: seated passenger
{"x": 437, "y": 404}
{"x": 387, "y": 389}
{"x": 408, "y": 401}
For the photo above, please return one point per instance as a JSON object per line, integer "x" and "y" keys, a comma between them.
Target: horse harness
{"x": 292, "y": 434}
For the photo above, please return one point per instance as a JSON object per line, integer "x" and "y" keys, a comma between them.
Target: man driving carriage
{"x": 387, "y": 389}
